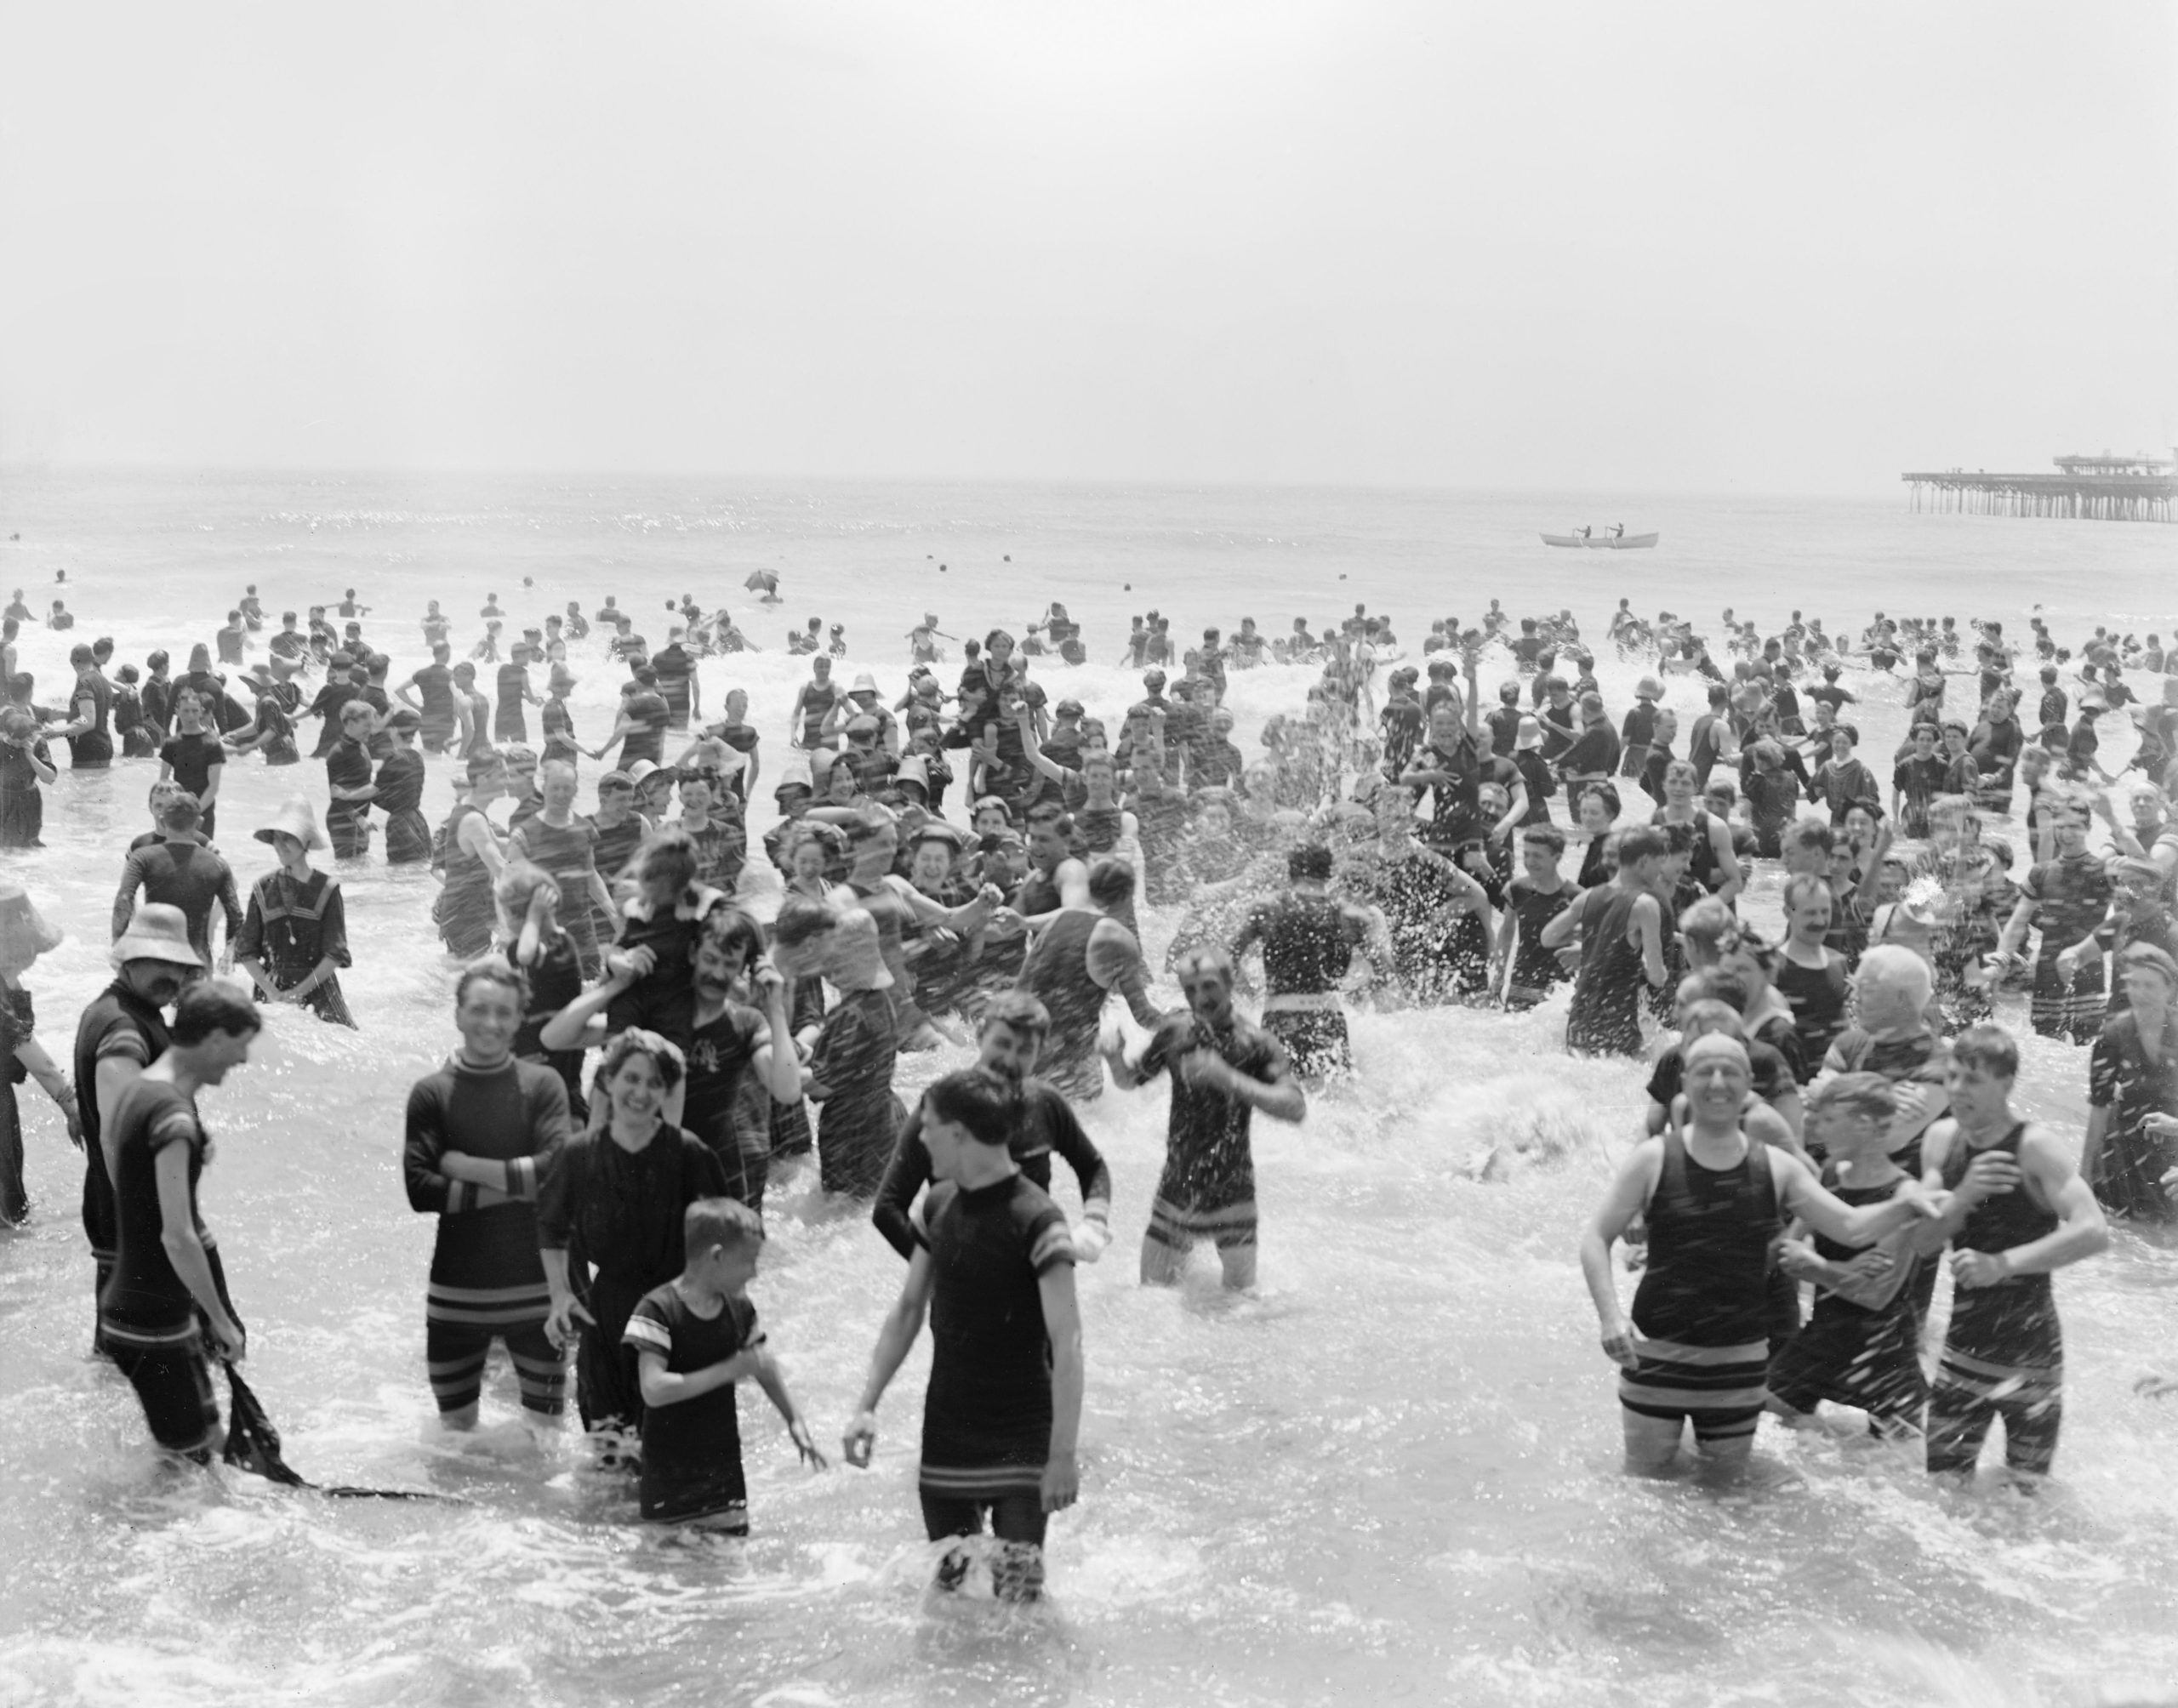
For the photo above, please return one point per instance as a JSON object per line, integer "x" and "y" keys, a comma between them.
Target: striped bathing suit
{"x": 487, "y": 1281}
{"x": 1699, "y": 1315}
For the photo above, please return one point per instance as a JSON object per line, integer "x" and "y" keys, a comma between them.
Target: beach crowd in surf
{"x": 681, "y": 967}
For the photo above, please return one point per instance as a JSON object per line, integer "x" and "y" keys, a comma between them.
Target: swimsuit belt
{"x": 1302, "y": 1002}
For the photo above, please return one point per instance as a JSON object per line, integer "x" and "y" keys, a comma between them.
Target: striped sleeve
{"x": 648, "y": 1330}
{"x": 173, "y": 1125}
{"x": 124, "y": 1043}
{"x": 1049, "y": 1241}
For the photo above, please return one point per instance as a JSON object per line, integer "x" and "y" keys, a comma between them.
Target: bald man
{"x": 1697, "y": 1348}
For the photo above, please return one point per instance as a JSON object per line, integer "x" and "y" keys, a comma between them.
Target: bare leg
{"x": 1162, "y": 1265}
{"x": 1651, "y": 1443}
{"x": 1239, "y": 1265}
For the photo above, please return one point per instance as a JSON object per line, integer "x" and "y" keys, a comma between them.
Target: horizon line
{"x": 14, "y": 468}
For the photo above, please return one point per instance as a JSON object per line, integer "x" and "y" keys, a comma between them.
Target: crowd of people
{"x": 652, "y": 996}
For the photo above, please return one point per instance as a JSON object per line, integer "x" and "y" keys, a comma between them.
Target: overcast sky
{"x": 1670, "y": 246}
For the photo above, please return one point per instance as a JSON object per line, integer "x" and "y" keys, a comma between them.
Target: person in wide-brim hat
{"x": 158, "y": 932}
{"x": 24, "y": 937}
{"x": 293, "y": 941}
{"x": 295, "y": 819}
{"x": 24, "y": 933}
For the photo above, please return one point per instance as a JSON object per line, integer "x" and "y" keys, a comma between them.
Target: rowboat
{"x": 1623, "y": 543}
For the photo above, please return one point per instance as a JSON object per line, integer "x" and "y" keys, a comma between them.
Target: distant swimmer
{"x": 491, "y": 607}
{"x": 20, "y": 611}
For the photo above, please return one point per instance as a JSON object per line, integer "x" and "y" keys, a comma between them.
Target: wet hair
{"x": 157, "y": 661}
{"x": 1718, "y": 984}
{"x": 1705, "y": 1017}
{"x": 182, "y": 812}
{"x": 801, "y": 917}
{"x": 732, "y": 930}
{"x": 1018, "y": 1011}
{"x": 1210, "y": 957}
{"x": 208, "y": 1006}
{"x": 1311, "y": 860}
{"x": 667, "y": 853}
{"x": 1807, "y": 834}
{"x": 665, "y": 1055}
{"x": 1111, "y": 883}
{"x": 988, "y": 1107}
{"x": 1549, "y": 835}
{"x": 1642, "y": 842}
{"x": 484, "y": 762}
{"x": 1988, "y": 1048}
{"x": 517, "y": 885}
{"x": 1866, "y": 1096}
{"x": 493, "y": 970}
{"x": 1678, "y": 767}
{"x": 1605, "y": 793}
{"x": 710, "y": 1223}
{"x": 126, "y": 673}
{"x": 868, "y": 829}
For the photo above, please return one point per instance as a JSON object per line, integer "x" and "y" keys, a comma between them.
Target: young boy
{"x": 1861, "y": 1347}
{"x": 1003, "y": 1415}
{"x": 2018, "y": 1210}
{"x": 694, "y": 1339}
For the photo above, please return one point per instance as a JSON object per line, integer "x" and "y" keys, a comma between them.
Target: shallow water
{"x": 1391, "y": 1476}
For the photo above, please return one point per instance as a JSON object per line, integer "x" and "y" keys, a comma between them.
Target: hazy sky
{"x": 1633, "y": 246}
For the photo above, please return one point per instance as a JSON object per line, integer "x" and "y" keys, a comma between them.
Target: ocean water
{"x": 1390, "y": 1475}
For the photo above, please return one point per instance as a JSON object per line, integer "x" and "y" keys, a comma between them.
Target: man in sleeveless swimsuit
{"x": 1697, "y": 1346}
{"x": 2018, "y": 1210}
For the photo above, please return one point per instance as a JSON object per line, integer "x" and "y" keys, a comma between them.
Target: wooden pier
{"x": 2104, "y": 488}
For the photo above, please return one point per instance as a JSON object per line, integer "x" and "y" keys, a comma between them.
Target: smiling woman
{"x": 610, "y": 1226}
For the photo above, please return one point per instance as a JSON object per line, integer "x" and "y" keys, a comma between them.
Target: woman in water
{"x": 609, "y": 1225}
{"x": 851, "y": 1059}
